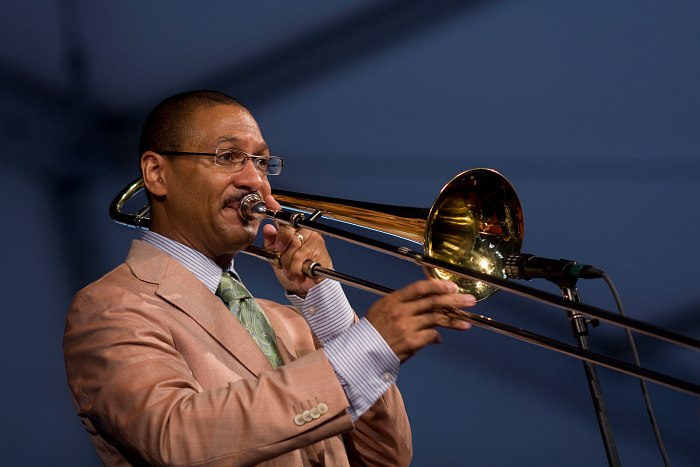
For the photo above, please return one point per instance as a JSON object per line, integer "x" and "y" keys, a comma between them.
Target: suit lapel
{"x": 179, "y": 287}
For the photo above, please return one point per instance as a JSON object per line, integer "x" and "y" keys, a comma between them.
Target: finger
{"x": 300, "y": 250}
{"x": 269, "y": 236}
{"x": 285, "y": 236}
{"x": 453, "y": 323}
{"x": 439, "y": 319}
{"x": 424, "y": 288}
{"x": 452, "y": 300}
{"x": 290, "y": 248}
{"x": 430, "y": 303}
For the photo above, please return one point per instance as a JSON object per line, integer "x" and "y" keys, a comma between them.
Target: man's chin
{"x": 250, "y": 232}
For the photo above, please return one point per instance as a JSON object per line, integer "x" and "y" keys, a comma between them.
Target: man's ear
{"x": 153, "y": 172}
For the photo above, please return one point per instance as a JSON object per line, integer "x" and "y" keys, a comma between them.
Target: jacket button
{"x": 299, "y": 420}
{"x": 322, "y": 408}
{"x": 307, "y": 416}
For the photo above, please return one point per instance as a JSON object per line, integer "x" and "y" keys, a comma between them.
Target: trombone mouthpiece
{"x": 252, "y": 207}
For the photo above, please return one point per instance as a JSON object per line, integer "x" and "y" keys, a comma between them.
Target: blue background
{"x": 590, "y": 109}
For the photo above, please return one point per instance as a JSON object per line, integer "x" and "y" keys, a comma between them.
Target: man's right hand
{"x": 407, "y": 318}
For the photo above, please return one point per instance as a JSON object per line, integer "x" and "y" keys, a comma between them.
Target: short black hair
{"x": 167, "y": 123}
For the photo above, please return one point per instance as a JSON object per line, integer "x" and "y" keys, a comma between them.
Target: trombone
{"x": 471, "y": 235}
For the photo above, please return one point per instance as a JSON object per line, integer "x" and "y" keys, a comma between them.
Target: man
{"x": 166, "y": 368}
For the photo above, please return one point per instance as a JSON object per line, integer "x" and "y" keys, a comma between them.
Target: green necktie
{"x": 246, "y": 309}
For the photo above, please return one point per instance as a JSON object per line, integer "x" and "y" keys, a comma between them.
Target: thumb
{"x": 270, "y": 201}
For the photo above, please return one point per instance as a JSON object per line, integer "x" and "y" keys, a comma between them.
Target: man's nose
{"x": 249, "y": 177}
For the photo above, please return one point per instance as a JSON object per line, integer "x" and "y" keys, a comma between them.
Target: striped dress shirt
{"x": 363, "y": 362}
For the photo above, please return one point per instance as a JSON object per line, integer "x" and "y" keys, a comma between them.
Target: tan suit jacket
{"x": 162, "y": 373}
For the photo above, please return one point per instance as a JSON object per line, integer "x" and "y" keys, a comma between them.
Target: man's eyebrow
{"x": 235, "y": 139}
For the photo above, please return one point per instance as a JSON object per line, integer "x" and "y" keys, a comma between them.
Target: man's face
{"x": 201, "y": 205}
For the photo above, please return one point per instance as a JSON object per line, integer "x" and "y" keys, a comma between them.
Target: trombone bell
{"x": 476, "y": 222}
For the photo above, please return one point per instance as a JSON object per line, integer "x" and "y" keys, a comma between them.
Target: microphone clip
{"x": 526, "y": 266}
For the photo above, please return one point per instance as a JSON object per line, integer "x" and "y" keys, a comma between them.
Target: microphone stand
{"x": 579, "y": 326}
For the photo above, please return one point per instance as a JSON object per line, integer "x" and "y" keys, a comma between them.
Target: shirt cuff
{"x": 364, "y": 363}
{"x": 325, "y": 309}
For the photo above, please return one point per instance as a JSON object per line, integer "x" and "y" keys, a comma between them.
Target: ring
{"x": 300, "y": 237}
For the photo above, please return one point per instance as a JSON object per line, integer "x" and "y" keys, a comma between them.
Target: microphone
{"x": 526, "y": 266}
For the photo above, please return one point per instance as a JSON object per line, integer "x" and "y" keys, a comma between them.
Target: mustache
{"x": 235, "y": 198}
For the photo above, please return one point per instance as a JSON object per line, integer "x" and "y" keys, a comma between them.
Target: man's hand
{"x": 296, "y": 247}
{"x": 407, "y": 318}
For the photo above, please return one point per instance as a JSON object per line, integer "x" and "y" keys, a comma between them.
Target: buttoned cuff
{"x": 325, "y": 309}
{"x": 364, "y": 363}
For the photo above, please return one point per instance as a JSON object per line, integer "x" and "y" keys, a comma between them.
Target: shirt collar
{"x": 204, "y": 268}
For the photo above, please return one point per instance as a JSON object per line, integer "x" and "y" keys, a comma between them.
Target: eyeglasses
{"x": 234, "y": 160}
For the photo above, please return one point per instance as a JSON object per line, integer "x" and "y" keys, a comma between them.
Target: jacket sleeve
{"x": 382, "y": 435}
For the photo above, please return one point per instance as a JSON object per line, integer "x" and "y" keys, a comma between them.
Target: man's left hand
{"x": 295, "y": 247}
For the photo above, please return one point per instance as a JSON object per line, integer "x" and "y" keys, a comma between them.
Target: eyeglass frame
{"x": 220, "y": 151}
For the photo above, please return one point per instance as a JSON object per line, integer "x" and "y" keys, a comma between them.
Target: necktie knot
{"x": 231, "y": 290}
